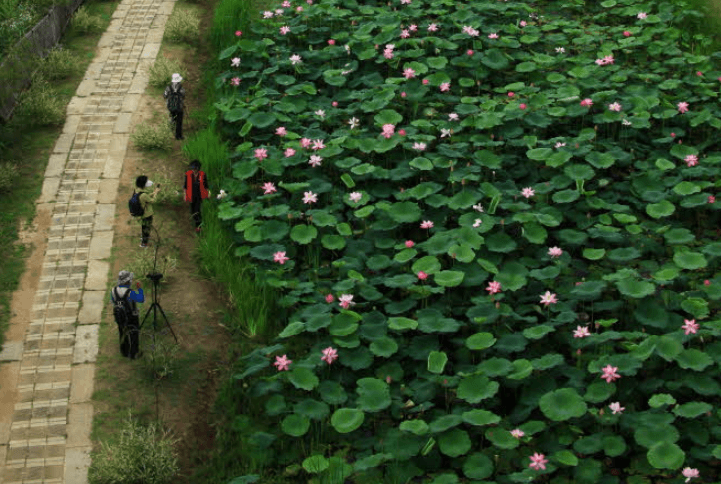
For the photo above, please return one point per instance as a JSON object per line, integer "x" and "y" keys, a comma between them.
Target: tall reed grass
{"x": 230, "y": 16}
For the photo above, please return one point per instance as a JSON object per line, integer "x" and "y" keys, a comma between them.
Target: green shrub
{"x": 40, "y": 105}
{"x": 160, "y": 357}
{"x": 143, "y": 262}
{"x": 149, "y": 136}
{"x": 162, "y": 70}
{"x": 58, "y": 64}
{"x": 183, "y": 26}
{"x": 143, "y": 454}
{"x": 86, "y": 23}
{"x": 8, "y": 175}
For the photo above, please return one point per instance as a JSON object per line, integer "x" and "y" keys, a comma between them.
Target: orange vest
{"x": 189, "y": 185}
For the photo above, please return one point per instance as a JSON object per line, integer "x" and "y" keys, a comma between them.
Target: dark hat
{"x": 195, "y": 165}
{"x": 141, "y": 181}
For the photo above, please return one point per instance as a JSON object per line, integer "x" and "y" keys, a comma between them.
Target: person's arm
{"x": 138, "y": 297}
{"x": 167, "y": 92}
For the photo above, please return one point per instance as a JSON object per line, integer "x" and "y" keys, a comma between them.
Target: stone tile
{"x": 140, "y": 82}
{"x": 122, "y": 125}
{"x": 104, "y": 217}
{"x": 77, "y": 462}
{"x": 108, "y": 190}
{"x": 93, "y": 304}
{"x": 50, "y": 190}
{"x": 165, "y": 8}
{"x": 71, "y": 123}
{"x": 97, "y": 277}
{"x": 77, "y": 104}
{"x": 86, "y": 344}
{"x": 100, "y": 245}
{"x": 64, "y": 143}
{"x": 80, "y": 421}
{"x": 56, "y": 165}
{"x": 11, "y": 351}
{"x": 86, "y": 88}
{"x": 130, "y": 103}
{"x": 82, "y": 384}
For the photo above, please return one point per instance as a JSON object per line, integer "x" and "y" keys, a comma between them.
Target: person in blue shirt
{"x": 130, "y": 332}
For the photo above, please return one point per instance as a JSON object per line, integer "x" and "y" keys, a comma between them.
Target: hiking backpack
{"x": 136, "y": 208}
{"x": 175, "y": 101}
{"x": 121, "y": 309}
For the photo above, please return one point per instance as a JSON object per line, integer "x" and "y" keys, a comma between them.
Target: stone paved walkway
{"x": 46, "y": 439}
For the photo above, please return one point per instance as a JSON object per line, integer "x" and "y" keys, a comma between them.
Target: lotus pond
{"x": 494, "y": 228}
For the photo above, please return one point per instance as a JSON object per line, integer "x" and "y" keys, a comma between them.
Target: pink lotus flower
{"x": 522, "y": 105}
{"x": 470, "y": 31}
{"x": 528, "y": 192}
{"x": 422, "y": 275}
{"x": 548, "y": 298}
{"x": 329, "y": 298}
{"x": 538, "y": 461}
{"x": 410, "y": 243}
{"x": 699, "y": 73}
{"x": 626, "y": 33}
{"x": 280, "y": 258}
{"x": 424, "y": 82}
{"x": 318, "y": 144}
{"x": 641, "y": 15}
{"x": 281, "y": 131}
{"x": 310, "y": 197}
{"x": 334, "y": 104}
{"x": 355, "y": 197}
{"x": 614, "y": 107}
{"x": 477, "y": 223}
{"x": 403, "y": 94}
{"x": 331, "y": 42}
{"x": 269, "y": 188}
{"x": 261, "y": 153}
{"x": 581, "y": 332}
{"x": 470, "y": 52}
{"x": 690, "y": 326}
{"x": 405, "y": 34}
{"x": 426, "y": 224}
{"x": 235, "y": 81}
{"x": 289, "y": 152}
{"x": 432, "y": 27}
{"x": 388, "y": 130}
{"x": 511, "y": 93}
{"x": 691, "y": 160}
{"x": 711, "y": 199}
{"x": 402, "y": 132}
{"x": 452, "y": 117}
{"x": 284, "y": 30}
{"x": 682, "y": 107}
{"x": 330, "y": 354}
{"x": 409, "y": 73}
{"x": 346, "y": 301}
{"x": 282, "y": 363}
{"x": 295, "y": 59}
{"x": 587, "y": 102}
{"x": 523, "y": 23}
{"x": 305, "y": 143}
{"x": 706, "y": 282}
{"x": 555, "y": 251}
{"x": 609, "y": 373}
{"x": 238, "y": 33}
{"x": 419, "y": 146}
{"x": 616, "y": 408}
{"x": 689, "y": 473}
{"x": 235, "y": 62}
{"x": 518, "y": 433}
{"x": 445, "y": 86}
{"x": 493, "y": 36}
{"x": 493, "y": 287}
{"x": 315, "y": 160}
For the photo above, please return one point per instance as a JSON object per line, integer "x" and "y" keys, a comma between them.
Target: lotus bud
{"x": 503, "y": 221}
{"x": 389, "y": 379}
{"x": 578, "y": 352}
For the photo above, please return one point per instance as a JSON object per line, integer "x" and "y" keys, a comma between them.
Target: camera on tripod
{"x": 154, "y": 276}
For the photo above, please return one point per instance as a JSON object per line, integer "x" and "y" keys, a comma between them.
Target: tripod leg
{"x": 167, "y": 323}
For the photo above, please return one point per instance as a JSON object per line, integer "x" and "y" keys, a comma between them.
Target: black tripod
{"x": 155, "y": 277}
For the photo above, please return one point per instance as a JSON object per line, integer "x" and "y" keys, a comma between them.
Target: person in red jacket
{"x": 195, "y": 190}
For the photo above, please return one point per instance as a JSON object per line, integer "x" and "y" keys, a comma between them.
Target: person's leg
{"x": 147, "y": 224}
{"x": 179, "y": 125}
{"x": 123, "y": 340}
{"x": 134, "y": 337}
{"x": 195, "y": 212}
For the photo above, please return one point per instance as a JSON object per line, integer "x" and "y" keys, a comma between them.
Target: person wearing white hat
{"x": 175, "y": 101}
{"x": 146, "y": 202}
{"x": 129, "y": 328}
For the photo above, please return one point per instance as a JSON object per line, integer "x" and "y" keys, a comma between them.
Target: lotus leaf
{"x": 562, "y": 404}
{"x": 666, "y": 455}
{"x": 475, "y": 388}
{"x": 295, "y": 425}
{"x": 345, "y": 420}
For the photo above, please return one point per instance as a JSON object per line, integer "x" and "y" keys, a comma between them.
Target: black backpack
{"x": 136, "y": 208}
{"x": 121, "y": 309}
{"x": 175, "y": 101}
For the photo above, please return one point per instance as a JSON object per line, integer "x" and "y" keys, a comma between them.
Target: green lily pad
{"x": 449, "y": 278}
{"x": 345, "y": 420}
{"x": 303, "y": 234}
{"x": 454, "y": 443}
{"x": 295, "y": 425}
{"x": 303, "y": 378}
{"x": 315, "y": 464}
{"x": 689, "y": 260}
{"x": 477, "y": 466}
{"x": 373, "y": 395}
{"x": 664, "y": 208}
{"x": 437, "y": 361}
{"x": 563, "y": 404}
{"x": 417, "y": 427}
{"x": 666, "y": 455}
{"x": 475, "y": 388}
{"x": 480, "y": 341}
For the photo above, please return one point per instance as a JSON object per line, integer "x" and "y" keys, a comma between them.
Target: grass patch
{"x": 162, "y": 70}
{"x": 151, "y": 136}
{"x": 85, "y": 22}
{"x": 30, "y": 146}
{"x": 183, "y": 26}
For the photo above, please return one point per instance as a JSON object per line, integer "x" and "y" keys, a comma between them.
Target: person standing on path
{"x": 130, "y": 330}
{"x": 195, "y": 191}
{"x": 175, "y": 100}
{"x": 146, "y": 202}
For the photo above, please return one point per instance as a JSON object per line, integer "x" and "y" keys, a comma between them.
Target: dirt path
{"x": 47, "y": 368}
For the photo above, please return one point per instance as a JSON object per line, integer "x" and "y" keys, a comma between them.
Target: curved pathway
{"x": 46, "y": 375}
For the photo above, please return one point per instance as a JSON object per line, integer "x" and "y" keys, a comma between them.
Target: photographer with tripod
{"x": 127, "y": 316}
